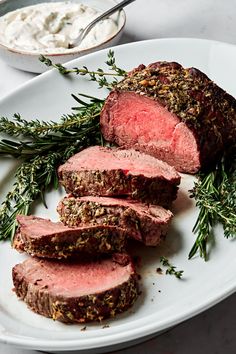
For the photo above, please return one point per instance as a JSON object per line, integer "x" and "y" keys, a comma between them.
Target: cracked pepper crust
{"x": 116, "y": 183}
{"x": 89, "y": 240}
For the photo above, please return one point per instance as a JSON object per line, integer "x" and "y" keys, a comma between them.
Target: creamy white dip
{"x": 52, "y": 27}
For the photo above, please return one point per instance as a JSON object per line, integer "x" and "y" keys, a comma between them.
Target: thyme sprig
{"x": 171, "y": 269}
{"x": 215, "y": 195}
{"x": 100, "y": 76}
{"x": 32, "y": 178}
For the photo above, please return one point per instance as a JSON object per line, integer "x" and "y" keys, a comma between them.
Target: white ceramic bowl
{"x": 29, "y": 61}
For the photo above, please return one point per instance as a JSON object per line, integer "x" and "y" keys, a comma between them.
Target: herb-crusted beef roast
{"x": 75, "y": 291}
{"x": 178, "y": 115}
{"x": 146, "y": 223}
{"x": 44, "y": 238}
{"x": 101, "y": 171}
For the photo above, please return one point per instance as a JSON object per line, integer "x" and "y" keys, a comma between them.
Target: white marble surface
{"x": 212, "y": 332}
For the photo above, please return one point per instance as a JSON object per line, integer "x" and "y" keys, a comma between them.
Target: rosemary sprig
{"x": 86, "y": 114}
{"x": 43, "y": 145}
{"x": 46, "y": 136}
{"x": 215, "y": 195}
{"x": 49, "y": 144}
{"x": 100, "y": 76}
{"x": 171, "y": 269}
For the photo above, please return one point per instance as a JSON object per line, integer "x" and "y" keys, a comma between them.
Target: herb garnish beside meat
{"x": 99, "y": 75}
{"x": 42, "y": 146}
{"x": 215, "y": 195}
{"x": 170, "y": 268}
{"x": 45, "y": 146}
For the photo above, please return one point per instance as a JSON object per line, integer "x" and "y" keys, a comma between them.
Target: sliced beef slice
{"x": 75, "y": 291}
{"x": 44, "y": 238}
{"x": 101, "y": 171}
{"x": 178, "y": 115}
{"x": 146, "y": 223}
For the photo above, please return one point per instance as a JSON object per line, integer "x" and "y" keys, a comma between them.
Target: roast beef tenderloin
{"x": 146, "y": 223}
{"x": 44, "y": 238}
{"x": 175, "y": 114}
{"x": 75, "y": 291}
{"x": 101, "y": 171}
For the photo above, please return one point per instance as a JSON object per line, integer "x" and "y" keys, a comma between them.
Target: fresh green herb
{"x": 171, "y": 269}
{"x": 215, "y": 195}
{"x": 49, "y": 144}
{"x": 100, "y": 76}
{"x": 32, "y": 178}
{"x": 20, "y": 127}
{"x": 42, "y": 145}
{"x": 40, "y": 137}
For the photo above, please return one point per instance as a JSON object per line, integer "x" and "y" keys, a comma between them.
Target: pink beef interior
{"x": 72, "y": 279}
{"x": 130, "y": 161}
{"x": 36, "y": 227}
{"x": 143, "y": 123}
{"x": 139, "y": 115}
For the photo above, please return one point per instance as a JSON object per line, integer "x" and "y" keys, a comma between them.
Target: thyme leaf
{"x": 100, "y": 76}
{"x": 171, "y": 269}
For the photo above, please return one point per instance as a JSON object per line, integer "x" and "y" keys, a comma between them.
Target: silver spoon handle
{"x": 106, "y": 14}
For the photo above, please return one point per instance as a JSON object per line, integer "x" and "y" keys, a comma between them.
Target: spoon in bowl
{"x": 84, "y": 32}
